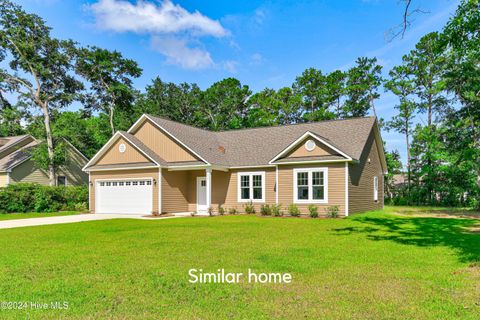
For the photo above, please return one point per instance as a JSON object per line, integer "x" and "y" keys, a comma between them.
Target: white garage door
{"x": 124, "y": 196}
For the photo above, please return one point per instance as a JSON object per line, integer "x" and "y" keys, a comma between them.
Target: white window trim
{"x": 375, "y": 188}
{"x": 252, "y": 173}
{"x": 310, "y": 200}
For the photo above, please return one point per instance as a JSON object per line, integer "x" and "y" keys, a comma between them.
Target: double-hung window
{"x": 251, "y": 186}
{"x": 310, "y": 185}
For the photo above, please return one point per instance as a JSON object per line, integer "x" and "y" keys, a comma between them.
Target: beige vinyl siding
{"x": 114, "y": 156}
{"x": 3, "y": 179}
{"x": 175, "y": 185}
{"x": 301, "y": 151}
{"x": 162, "y": 144}
{"x": 124, "y": 174}
{"x": 73, "y": 169}
{"x": 361, "y": 179}
{"x": 336, "y": 187}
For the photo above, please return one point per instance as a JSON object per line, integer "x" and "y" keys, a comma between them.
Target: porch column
{"x": 208, "y": 176}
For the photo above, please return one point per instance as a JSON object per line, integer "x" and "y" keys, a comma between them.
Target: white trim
{"x": 159, "y": 186}
{"x": 90, "y": 183}
{"x": 208, "y": 177}
{"x": 310, "y": 188}
{"x": 250, "y": 167}
{"x": 308, "y": 133}
{"x": 251, "y": 173}
{"x": 315, "y": 161}
{"x": 144, "y": 116}
{"x": 109, "y": 143}
{"x": 346, "y": 190}
{"x": 196, "y": 167}
{"x": 276, "y": 184}
{"x": 375, "y": 188}
{"x": 115, "y": 169}
{"x": 8, "y": 178}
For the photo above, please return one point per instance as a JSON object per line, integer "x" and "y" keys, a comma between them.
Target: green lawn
{"x": 370, "y": 266}
{"x": 11, "y": 216}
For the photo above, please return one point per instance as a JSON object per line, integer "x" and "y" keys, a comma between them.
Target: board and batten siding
{"x": 124, "y": 174}
{"x": 162, "y": 144}
{"x": 319, "y": 150}
{"x": 361, "y": 179}
{"x": 114, "y": 156}
{"x": 336, "y": 187}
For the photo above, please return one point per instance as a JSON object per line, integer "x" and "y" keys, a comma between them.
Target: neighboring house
{"x": 17, "y": 166}
{"x": 164, "y": 166}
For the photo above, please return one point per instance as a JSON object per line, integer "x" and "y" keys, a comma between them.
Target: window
{"x": 310, "y": 185}
{"x": 251, "y": 186}
{"x": 61, "y": 181}
{"x": 375, "y": 188}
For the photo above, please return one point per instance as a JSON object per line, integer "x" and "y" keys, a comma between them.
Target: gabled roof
{"x": 258, "y": 146}
{"x": 15, "y": 158}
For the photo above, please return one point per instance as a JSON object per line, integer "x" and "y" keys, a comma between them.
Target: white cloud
{"x": 230, "y": 66}
{"x": 178, "y": 52}
{"x": 146, "y": 17}
{"x": 256, "y": 59}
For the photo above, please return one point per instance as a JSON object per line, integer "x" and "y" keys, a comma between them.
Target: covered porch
{"x": 194, "y": 189}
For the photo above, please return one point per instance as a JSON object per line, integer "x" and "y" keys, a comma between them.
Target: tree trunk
{"x": 48, "y": 130}
{"x": 111, "y": 120}
{"x": 407, "y": 136}
{"x": 373, "y": 108}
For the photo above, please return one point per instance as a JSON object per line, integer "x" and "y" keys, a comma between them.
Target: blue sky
{"x": 263, "y": 44}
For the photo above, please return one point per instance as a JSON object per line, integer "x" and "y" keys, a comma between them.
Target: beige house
{"x": 17, "y": 166}
{"x": 161, "y": 166}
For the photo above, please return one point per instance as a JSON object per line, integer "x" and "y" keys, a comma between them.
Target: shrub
{"x": 332, "y": 211}
{"x": 221, "y": 210}
{"x": 232, "y": 210}
{"x": 265, "y": 210}
{"x": 27, "y": 197}
{"x": 277, "y": 210}
{"x": 313, "y": 209}
{"x": 293, "y": 210}
{"x": 249, "y": 208}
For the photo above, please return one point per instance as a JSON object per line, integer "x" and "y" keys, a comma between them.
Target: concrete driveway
{"x": 7, "y": 224}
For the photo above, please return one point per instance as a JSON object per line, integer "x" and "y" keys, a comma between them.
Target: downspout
{"x": 276, "y": 184}
{"x": 159, "y": 186}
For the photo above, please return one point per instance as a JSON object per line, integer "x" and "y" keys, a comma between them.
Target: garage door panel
{"x": 124, "y": 196}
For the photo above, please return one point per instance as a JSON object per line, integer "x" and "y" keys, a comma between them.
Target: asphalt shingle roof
{"x": 257, "y": 146}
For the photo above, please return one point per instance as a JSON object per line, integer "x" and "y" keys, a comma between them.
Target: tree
{"x": 402, "y": 85}
{"x": 10, "y": 119}
{"x": 223, "y": 105}
{"x": 335, "y": 87}
{"x": 166, "y": 99}
{"x": 270, "y": 107}
{"x": 311, "y": 86}
{"x": 426, "y": 63}
{"x": 394, "y": 167}
{"x": 39, "y": 67}
{"x": 110, "y": 77}
{"x": 361, "y": 87}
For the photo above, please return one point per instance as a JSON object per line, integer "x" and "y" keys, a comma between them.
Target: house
{"x": 162, "y": 166}
{"x": 17, "y": 166}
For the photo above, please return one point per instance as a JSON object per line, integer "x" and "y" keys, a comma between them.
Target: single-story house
{"x": 162, "y": 166}
{"x": 17, "y": 165}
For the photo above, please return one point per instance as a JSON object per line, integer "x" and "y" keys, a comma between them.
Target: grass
{"x": 12, "y": 216}
{"x": 370, "y": 266}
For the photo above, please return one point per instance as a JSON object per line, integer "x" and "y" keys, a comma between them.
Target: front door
{"x": 201, "y": 195}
